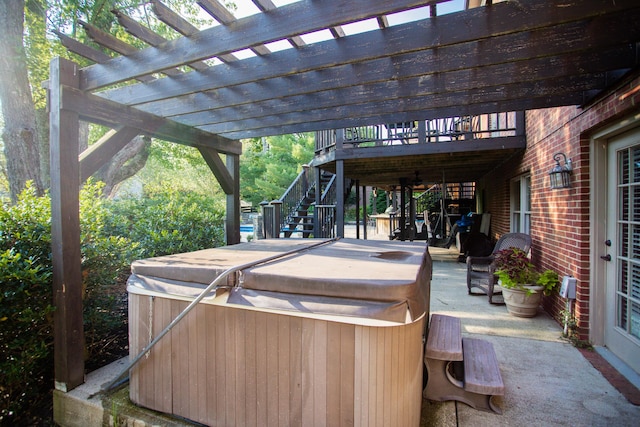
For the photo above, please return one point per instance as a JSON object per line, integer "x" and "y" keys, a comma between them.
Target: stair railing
{"x": 325, "y": 212}
{"x": 296, "y": 194}
{"x": 280, "y": 213}
{"x": 287, "y": 206}
{"x": 328, "y": 196}
{"x": 325, "y": 216}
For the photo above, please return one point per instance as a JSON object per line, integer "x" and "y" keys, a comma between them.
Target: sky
{"x": 247, "y": 8}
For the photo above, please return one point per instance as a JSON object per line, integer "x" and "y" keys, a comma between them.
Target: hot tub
{"x": 332, "y": 335}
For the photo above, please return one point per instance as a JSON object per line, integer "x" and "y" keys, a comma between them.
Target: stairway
{"x": 294, "y": 213}
{"x": 301, "y": 219}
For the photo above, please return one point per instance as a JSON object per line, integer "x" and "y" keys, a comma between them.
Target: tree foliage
{"x": 26, "y": 49}
{"x": 268, "y": 167}
{"x": 20, "y": 136}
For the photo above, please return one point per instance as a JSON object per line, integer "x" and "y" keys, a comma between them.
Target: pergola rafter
{"x": 148, "y": 36}
{"x": 223, "y": 16}
{"x": 520, "y": 74}
{"x": 280, "y": 23}
{"x": 342, "y": 67}
{"x": 89, "y": 52}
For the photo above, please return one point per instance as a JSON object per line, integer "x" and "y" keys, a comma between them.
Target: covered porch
{"x": 508, "y": 56}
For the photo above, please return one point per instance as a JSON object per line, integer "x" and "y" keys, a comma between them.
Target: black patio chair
{"x": 480, "y": 270}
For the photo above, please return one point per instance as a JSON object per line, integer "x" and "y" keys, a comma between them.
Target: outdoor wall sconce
{"x": 560, "y": 176}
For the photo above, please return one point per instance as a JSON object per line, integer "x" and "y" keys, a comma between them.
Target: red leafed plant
{"x": 515, "y": 270}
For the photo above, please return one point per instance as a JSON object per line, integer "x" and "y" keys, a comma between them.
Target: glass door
{"x": 622, "y": 329}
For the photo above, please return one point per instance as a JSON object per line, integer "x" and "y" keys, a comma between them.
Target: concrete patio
{"x": 548, "y": 382}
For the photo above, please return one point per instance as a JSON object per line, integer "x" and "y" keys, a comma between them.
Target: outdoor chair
{"x": 480, "y": 270}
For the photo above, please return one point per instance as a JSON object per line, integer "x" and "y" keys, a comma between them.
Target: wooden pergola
{"x": 195, "y": 90}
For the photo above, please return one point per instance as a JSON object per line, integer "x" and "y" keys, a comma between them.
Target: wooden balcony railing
{"x": 446, "y": 129}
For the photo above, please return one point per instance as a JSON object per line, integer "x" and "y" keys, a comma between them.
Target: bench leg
{"x": 441, "y": 387}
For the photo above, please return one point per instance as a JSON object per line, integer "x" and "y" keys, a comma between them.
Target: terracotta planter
{"x": 520, "y": 303}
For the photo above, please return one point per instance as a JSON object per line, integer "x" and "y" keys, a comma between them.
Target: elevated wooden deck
{"x": 457, "y": 149}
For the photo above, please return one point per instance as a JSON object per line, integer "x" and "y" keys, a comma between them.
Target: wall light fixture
{"x": 560, "y": 175}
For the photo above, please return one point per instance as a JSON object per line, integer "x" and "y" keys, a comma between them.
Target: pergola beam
{"x": 421, "y": 112}
{"x": 94, "y": 108}
{"x": 418, "y": 102}
{"x": 97, "y": 154}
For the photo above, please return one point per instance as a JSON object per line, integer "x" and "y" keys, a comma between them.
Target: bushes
{"x": 105, "y": 266}
{"x": 167, "y": 223}
{"x": 25, "y": 333}
{"x": 113, "y": 233}
{"x": 26, "y": 311}
{"x": 25, "y": 304}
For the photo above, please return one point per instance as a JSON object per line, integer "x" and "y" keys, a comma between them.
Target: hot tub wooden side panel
{"x": 231, "y": 366}
{"x": 153, "y": 372}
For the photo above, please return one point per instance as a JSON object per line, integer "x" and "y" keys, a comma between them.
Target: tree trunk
{"x": 126, "y": 163}
{"x": 20, "y": 134}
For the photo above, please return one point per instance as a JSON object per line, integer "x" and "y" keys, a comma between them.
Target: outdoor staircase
{"x": 296, "y": 213}
{"x": 301, "y": 218}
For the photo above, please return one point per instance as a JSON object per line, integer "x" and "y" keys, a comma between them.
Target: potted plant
{"x": 522, "y": 283}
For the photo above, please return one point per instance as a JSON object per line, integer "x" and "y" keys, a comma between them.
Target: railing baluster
{"x": 435, "y": 130}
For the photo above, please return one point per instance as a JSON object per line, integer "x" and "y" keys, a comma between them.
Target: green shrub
{"x": 113, "y": 234}
{"x": 26, "y": 295}
{"x": 25, "y": 304}
{"x": 105, "y": 266}
{"x": 168, "y": 223}
{"x": 25, "y": 333}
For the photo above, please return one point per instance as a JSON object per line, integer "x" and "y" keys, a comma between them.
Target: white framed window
{"x": 521, "y": 204}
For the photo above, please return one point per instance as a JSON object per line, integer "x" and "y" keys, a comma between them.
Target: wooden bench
{"x": 462, "y": 369}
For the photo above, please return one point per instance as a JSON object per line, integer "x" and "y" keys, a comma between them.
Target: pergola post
{"x": 232, "y": 223}
{"x": 65, "y": 230}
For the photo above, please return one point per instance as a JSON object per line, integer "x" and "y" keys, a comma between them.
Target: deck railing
{"x": 459, "y": 128}
{"x": 325, "y": 216}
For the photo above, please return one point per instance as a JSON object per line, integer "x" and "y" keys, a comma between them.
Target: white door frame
{"x": 598, "y": 182}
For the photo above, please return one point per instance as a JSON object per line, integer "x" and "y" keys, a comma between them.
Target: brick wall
{"x": 560, "y": 225}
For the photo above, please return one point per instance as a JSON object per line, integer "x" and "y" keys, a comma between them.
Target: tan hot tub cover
{"x": 370, "y": 279}
{"x": 331, "y": 335}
